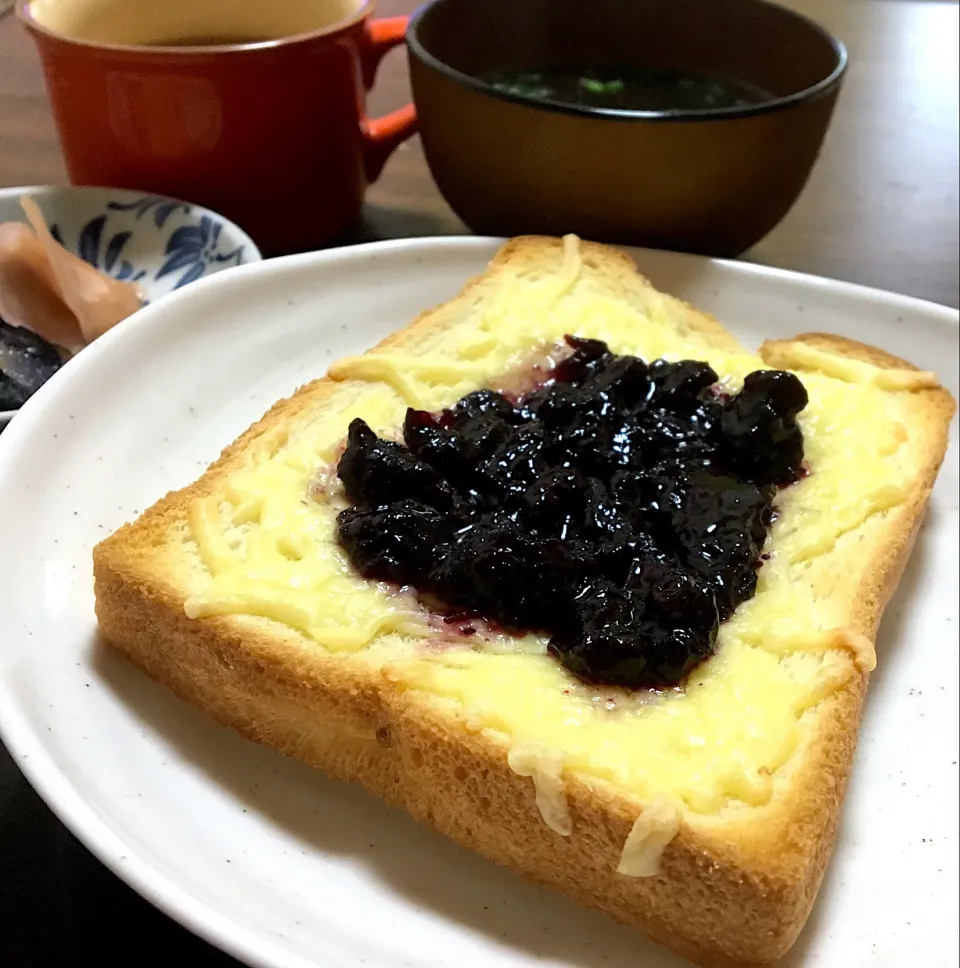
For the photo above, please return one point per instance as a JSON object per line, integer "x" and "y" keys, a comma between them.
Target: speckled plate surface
{"x": 286, "y": 869}
{"x": 159, "y": 243}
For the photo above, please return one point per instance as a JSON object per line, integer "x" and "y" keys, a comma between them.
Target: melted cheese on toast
{"x": 268, "y": 542}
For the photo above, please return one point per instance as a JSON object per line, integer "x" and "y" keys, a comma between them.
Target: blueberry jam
{"x": 621, "y": 507}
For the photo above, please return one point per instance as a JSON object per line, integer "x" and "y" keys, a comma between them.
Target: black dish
{"x": 27, "y": 361}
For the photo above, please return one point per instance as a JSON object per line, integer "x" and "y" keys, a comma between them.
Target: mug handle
{"x": 382, "y": 136}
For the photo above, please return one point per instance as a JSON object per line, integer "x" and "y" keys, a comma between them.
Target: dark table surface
{"x": 881, "y": 209}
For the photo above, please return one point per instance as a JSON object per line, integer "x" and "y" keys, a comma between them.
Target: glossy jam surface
{"x": 621, "y": 507}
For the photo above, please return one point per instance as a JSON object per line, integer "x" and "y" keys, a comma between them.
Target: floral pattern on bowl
{"x": 193, "y": 244}
{"x": 160, "y": 243}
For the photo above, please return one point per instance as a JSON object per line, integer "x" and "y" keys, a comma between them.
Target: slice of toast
{"x": 703, "y": 816}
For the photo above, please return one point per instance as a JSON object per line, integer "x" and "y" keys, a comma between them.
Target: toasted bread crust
{"x": 733, "y": 890}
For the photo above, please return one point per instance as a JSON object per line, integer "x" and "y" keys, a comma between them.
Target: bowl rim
{"x": 831, "y": 81}
{"x": 40, "y": 191}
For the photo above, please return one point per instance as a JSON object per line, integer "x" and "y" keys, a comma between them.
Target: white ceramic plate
{"x": 282, "y": 867}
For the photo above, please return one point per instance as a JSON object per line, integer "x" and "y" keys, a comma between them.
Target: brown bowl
{"x": 714, "y": 181}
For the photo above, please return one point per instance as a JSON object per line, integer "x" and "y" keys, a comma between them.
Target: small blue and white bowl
{"x": 159, "y": 243}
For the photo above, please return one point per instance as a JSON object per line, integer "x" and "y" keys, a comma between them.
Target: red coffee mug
{"x": 272, "y": 133}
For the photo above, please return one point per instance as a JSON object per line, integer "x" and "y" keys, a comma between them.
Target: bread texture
{"x": 733, "y": 886}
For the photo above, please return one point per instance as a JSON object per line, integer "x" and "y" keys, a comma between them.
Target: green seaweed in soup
{"x": 629, "y": 88}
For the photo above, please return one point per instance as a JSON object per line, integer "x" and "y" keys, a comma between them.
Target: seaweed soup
{"x": 629, "y": 88}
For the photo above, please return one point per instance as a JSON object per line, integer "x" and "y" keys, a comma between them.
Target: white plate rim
{"x": 853, "y": 290}
{"x": 90, "y": 828}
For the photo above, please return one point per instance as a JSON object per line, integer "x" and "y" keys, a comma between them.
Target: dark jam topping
{"x": 621, "y": 507}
